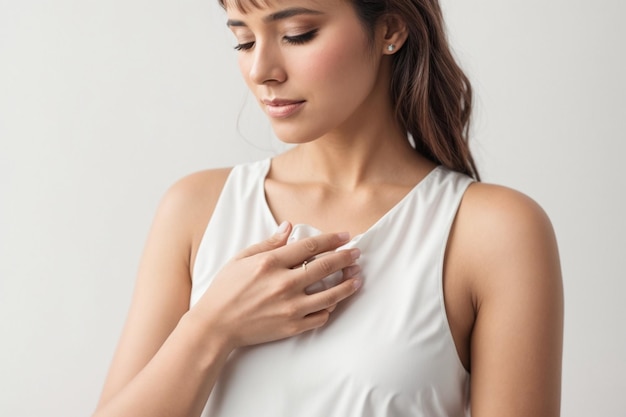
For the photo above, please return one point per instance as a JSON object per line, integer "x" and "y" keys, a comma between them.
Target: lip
{"x": 281, "y": 108}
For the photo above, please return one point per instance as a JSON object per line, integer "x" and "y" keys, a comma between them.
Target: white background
{"x": 105, "y": 104}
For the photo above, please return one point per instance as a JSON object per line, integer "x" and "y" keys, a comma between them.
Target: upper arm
{"x": 163, "y": 284}
{"x": 516, "y": 286}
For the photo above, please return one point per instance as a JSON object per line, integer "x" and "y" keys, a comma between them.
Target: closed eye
{"x": 244, "y": 46}
{"x": 292, "y": 40}
{"x": 300, "y": 39}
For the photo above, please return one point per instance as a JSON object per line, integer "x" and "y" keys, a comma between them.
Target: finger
{"x": 333, "y": 279}
{"x": 326, "y": 267}
{"x": 278, "y": 239}
{"x": 326, "y": 299}
{"x": 297, "y": 252}
{"x": 312, "y": 321}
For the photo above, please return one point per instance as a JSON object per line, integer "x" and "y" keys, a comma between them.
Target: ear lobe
{"x": 394, "y": 33}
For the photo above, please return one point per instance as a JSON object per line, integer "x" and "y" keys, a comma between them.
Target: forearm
{"x": 178, "y": 379}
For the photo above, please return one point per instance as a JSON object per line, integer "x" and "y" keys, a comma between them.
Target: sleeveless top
{"x": 387, "y": 351}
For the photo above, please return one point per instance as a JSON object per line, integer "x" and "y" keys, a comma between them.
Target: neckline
{"x": 266, "y": 164}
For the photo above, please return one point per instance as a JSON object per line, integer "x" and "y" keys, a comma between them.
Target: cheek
{"x": 337, "y": 64}
{"x": 324, "y": 63}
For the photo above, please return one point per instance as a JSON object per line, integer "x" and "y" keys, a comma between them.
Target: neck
{"x": 371, "y": 153}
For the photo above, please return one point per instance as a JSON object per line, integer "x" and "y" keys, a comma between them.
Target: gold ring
{"x": 304, "y": 264}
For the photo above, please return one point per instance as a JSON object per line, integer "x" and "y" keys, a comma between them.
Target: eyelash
{"x": 292, "y": 40}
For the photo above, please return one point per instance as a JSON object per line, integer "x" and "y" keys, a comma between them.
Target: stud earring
{"x": 391, "y": 47}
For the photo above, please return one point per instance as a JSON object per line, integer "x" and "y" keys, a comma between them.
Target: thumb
{"x": 278, "y": 239}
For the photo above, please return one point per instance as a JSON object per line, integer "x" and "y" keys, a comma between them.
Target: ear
{"x": 392, "y": 32}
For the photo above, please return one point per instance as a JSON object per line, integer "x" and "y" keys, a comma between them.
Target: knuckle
{"x": 291, "y": 311}
{"x": 325, "y": 266}
{"x": 311, "y": 245}
{"x": 266, "y": 263}
{"x": 330, "y": 298}
{"x": 283, "y": 287}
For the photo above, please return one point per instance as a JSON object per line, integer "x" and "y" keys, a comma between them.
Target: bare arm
{"x": 169, "y": 358}
{"x": 516, "y": 288}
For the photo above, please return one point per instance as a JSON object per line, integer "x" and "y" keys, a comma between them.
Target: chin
{"x": 295, "y": 135}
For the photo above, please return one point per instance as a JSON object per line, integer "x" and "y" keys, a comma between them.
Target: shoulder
{"x": 187, "y": 206}
{"x": 502, "y": 231}
{"x": 502, "y": 213}
{"x": 194, "y": 193}
{"x": 503, "y": 224}
{"x": 489, "y": 199}
{"x": 196, "y": 189}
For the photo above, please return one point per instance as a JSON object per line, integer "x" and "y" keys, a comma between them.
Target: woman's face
{"x": 310, "y": 65}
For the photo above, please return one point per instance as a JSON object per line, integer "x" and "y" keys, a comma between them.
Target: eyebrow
{"x": 283, "y": 14}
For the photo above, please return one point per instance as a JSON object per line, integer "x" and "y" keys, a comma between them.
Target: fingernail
{"x": 355, "y": 253}
{"x": 343, "y": 236}
{"x": 282, "y": 228}
{"x": 357, "y": 283}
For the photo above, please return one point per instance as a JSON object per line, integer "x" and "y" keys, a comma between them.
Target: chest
{"x": 388, "y": 347}
{"x": 329, "y": 209}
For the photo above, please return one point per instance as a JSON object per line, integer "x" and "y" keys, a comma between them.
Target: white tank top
{"x": 386, "y": 352}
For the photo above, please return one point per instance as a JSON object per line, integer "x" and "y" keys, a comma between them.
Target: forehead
{"x": 245, "y": 6}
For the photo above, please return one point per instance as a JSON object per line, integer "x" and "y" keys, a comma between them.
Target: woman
{"x": 393, "y": 283}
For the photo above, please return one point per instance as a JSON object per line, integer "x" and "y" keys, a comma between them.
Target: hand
{"x": 259, "y": 296}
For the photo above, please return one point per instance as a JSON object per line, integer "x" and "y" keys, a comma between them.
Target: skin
{"x": 502, "y": 279}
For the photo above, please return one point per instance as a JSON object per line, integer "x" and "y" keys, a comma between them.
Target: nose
{"x": 267, "y": 64}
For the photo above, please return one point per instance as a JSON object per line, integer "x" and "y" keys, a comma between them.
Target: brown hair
{"x": 431, "y": 94}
